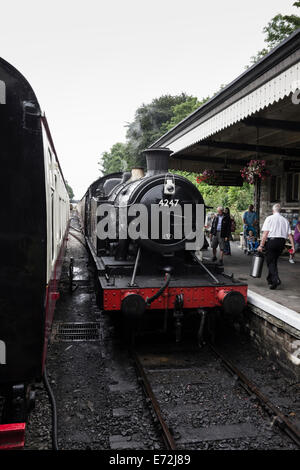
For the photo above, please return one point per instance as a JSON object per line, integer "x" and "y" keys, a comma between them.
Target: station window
{"x": 292, "y": 187}
{"x": 275, "y": 188}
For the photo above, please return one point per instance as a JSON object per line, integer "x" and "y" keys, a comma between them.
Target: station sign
{"x": 292, "y": 165}
{"x": 227, "y": 178}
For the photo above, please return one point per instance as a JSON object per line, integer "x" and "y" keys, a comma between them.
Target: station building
{"x": 255, "y": 117}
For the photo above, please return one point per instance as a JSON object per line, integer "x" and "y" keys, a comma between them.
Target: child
{"x": 297, "y": 242}
{"x": 252, "y": 243}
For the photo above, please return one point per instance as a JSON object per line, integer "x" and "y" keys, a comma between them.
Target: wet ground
{"x": 100, "y": 402}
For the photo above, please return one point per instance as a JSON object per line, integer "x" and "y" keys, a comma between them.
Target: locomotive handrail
{"x": 206, "y": 269}
{"x": 135, "y": 267}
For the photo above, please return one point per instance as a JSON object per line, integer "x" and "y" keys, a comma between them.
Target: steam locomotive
{"x": 145, "y": 234}
{"x": 34, "y": 216}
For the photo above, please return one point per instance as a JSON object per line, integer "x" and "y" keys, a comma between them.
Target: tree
{"x": 181, "y": 111}
{"x": 117, "y": 159}
{"x": 151, "y": 121}
{"x": 70, "y": 191}
{"x": 278, "y": 28}
{"x": 146, "y": 127}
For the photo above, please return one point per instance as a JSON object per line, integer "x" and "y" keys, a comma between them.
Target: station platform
{"x": 283, "y": 302}
{"x": 272, "y": 318}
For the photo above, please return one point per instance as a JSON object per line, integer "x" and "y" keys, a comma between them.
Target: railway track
{"x": 278, "y": 417}
{"x": 166, "y": 433}
{"x": 232, "y": 415}
{"x": 197, "y": 403}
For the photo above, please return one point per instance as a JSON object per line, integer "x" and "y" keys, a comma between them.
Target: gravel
{"x": 100, "y": 402}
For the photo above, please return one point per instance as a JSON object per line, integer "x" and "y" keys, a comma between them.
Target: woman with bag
{"x": 227, "y": 249}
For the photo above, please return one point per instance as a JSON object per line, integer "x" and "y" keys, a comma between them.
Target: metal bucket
{"x": 257, "y": 265}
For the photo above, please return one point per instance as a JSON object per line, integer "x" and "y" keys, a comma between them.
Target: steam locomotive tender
{"x": 160, "y": 272}
{"x": 34, "y": 215}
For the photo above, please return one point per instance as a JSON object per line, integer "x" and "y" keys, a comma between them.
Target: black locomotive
{"x": 149, "y": 266}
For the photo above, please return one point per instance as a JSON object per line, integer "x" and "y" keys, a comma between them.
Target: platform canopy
{"x": 256, "y": 114}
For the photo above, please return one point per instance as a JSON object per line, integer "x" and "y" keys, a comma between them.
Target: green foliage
{"x": 235, "y": 197}
{"x": 181, "y": 111}
{"x": 151, "y": 121}
{"x": 146, "y": 127}
{"x": 258, "y": 56}
{"x": 278, "y": 29}
{"x": 70, "y": 191}
{"x": 117, "y": 159}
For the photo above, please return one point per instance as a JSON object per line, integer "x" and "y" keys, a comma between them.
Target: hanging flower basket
{"x": 255, "y": 170}
{"x": 208, "y": 177}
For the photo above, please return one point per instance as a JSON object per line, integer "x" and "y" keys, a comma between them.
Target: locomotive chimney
{"x": 157, "y": 160}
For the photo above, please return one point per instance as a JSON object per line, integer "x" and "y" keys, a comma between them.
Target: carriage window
{"x": 292, "y": 187}
{"x": 52, "y": 225}
{"x": 275, "y": 188}
{"x": 50, "y": 165}
{"x": 50, "y": 158}
{"x": 60, "y": 217}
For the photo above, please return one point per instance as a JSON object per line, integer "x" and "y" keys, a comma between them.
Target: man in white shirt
{"x": 276, "y": 229}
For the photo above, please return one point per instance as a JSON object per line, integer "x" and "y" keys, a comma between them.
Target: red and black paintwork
{"x": 205, "y": 296}
{"x": 189, "y": 280}
{"x": 25, "y": 301}
{"x": 147, "y": 276}
{"x": 52, "y": 295}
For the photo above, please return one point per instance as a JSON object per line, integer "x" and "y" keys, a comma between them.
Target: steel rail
{"x": 76, "y": 230}
{"x": 77, "y": 238}
{"x": 166, "y": 433}
{"x": 280, "y": 419}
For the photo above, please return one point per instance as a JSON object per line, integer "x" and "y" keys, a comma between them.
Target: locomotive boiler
{"x": 145, "y": 233}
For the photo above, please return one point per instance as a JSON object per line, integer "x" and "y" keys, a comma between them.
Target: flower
{"x": 208, "y": 177}
{"x": 254, "y": 169}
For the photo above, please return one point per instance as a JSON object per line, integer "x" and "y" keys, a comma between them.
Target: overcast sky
{"x": 92, "y": 63}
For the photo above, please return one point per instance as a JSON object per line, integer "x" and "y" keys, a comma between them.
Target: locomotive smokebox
{"x": 157, "y": 160}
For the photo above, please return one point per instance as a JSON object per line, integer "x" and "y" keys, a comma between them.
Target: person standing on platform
{"x": 250, "y": 223}
{"x": 219, "y": 233}
{"x": 227, "y": 248}
{"x": 276, "y": 229}
{"x": 296, "y": 241}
